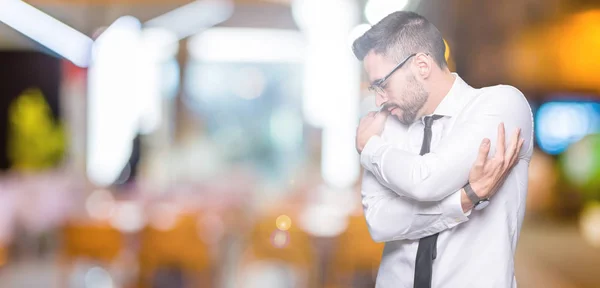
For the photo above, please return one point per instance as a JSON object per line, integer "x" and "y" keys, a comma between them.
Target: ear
{"x": 423, "y": 65}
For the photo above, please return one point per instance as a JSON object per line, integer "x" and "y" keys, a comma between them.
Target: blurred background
{"x": 210, "y": 143}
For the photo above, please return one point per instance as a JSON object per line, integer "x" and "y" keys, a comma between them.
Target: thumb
{"x": 382, "y": 115}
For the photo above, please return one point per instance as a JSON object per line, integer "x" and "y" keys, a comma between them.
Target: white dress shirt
{"x": 407, "y": 196}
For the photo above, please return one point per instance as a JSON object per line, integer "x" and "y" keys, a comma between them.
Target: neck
{"x": 442, "y": 83}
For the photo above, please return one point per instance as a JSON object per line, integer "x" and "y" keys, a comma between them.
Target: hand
{"x": 370, "y": 125}
{"x": 487, "y": 175}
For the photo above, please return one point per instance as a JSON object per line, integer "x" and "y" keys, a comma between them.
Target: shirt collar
{"x": 454, "y": 101}
{"x": 452, "y": 104}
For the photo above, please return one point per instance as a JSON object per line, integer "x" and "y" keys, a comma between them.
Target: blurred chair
{"x": 355, "y": 257}
{"x": 178, "y": 254}
{"x": 89, "y": 241}
{"x": 3, "y": 255}
{"x": 96, "y": 241}
{"x": 288, "y": 253}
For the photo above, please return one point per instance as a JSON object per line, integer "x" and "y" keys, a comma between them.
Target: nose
{"x": 380, "y": 99}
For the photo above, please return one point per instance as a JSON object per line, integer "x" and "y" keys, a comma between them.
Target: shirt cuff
{"x": 371, "y": 153}
{"x": 452, "y": 210}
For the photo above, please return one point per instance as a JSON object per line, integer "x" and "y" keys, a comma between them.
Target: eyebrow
{"x": 394, "y": 69}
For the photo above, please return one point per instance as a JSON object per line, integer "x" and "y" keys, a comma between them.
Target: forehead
{"x": 377, "y": 66}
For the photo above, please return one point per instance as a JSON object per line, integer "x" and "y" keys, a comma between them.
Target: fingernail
{"x": 486, "y": 141}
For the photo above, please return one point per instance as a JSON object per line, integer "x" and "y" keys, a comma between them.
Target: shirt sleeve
{"x": 436, "y": 175}
{"x": 391, "y": 217}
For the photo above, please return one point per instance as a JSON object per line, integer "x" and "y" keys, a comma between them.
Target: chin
{"x": 400, "y": 118}
{"x": 404, "y": 120}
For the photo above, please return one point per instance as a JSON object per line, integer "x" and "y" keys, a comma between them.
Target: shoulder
{"x": 504, "y": 102}
{"x": 502, "y": 93}
{"x": 502, "y": 98}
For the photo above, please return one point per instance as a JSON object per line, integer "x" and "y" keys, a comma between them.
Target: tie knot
{"x": 429, "y": 120}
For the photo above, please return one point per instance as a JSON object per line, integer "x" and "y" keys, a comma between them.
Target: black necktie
{"x": 427, "y": 246}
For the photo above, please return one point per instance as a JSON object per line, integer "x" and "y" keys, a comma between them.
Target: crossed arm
{"x": 407, "y": 196}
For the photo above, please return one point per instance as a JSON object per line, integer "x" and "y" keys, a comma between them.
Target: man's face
{"x": 403, "y": 94}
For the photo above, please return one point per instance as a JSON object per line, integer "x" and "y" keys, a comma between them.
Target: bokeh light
{"x": 283, "y": 222}
{"x": 128, "y": 217}
{"x": 560, "y": 124}
{"x": 447, "y": 53}
{"x": 581, "y": 165}
{"x": 100, "y": 204}
{"x": 98, "y": 278}
{"x": 589, "y": 223}
{"x": 163, "y": 216}
{"x": 280, "y": 239}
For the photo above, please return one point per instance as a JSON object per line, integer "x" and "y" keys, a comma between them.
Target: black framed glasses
{"x": 377, "y": 85}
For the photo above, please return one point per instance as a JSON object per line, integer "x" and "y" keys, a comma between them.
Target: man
{"x": 424, "y": 172}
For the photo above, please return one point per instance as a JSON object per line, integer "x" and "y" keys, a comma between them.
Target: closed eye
{"x": 377, "y": 82}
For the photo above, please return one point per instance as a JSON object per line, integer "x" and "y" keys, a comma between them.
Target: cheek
{"x": 395, "y": 92}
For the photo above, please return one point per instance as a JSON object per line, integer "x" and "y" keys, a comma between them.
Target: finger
{"x": 499, "y": 178}
{"x": 502, "y": 177}
{"x": 382, "y": 113}
{"x": 501, "y": 141}
{"x": 512, "y": 150}
{"x": 484, "y": 150}
{"x": 372, "y": 114}
{"x": 521, "y": 143}
{"x": 516, "y": 156}
{"x": 381, "y": 117}
{"x": 506, "y": 172}
{"x": 369, "y": 117}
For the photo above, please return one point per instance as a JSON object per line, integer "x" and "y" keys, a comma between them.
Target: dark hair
{"x": 400, "y": 34}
